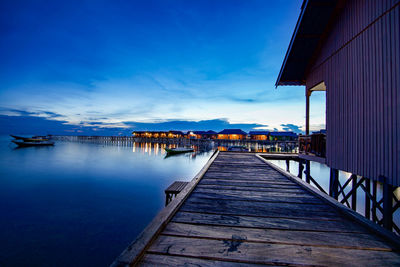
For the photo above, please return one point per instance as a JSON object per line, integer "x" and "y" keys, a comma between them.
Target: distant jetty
{"x": 259, "y": 141}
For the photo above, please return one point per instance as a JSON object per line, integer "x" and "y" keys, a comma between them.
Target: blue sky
{"x": 142, "y": 64}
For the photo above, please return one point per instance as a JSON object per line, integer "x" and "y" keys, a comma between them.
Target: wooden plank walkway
{"x": 243, "y": 212}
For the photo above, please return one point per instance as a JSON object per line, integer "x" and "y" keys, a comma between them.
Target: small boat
{"x": 178, "y": 150}
{"x": 238, "y": 148}
{"x": 22, "y": 143}
{"x": 30, "y": 139}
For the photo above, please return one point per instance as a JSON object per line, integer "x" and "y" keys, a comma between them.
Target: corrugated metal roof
{"x": 314, "y": 17}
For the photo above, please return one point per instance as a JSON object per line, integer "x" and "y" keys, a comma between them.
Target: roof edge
{"x": 303, "y": 8}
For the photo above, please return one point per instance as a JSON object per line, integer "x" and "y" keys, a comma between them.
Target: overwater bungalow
{"x": 259, "y": 135}
{"x": 195, "y": 134}
{"x": 282, "y": 136}
{"x": 150, "y": 134}
{"x": 159, "y": 134}
{"x": 232, "y": 134}
{"x": 350, "y": 50}
{"x": 139, "y": 133}
{"x": 175, "y": 134}
{"x": 210, "y": 135}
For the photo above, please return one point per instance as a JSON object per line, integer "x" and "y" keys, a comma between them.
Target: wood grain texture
{"x": 305, "y": 238}
{"x": 291, "y": 190}
{"x": 268, "y": 209}
{"x": 340, "y": 225}
{"x": 261, "y": 253}
{"x": 174, "y": 261}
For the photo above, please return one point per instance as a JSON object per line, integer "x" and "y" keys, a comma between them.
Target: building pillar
{"x": 308, "y": 94}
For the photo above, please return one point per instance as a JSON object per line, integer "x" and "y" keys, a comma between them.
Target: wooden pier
{"x": 241, "y": 211}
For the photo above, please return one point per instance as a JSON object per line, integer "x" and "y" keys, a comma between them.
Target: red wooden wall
{"x": 359, "y": 62}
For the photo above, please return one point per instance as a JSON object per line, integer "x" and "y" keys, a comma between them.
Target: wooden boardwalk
{"x": 241, "y": 211}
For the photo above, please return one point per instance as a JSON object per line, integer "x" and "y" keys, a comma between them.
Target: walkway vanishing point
{"x": 241, "y": 211}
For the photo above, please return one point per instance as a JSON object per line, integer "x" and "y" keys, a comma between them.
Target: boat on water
{"x": 21, "y": 143}
{"x": 31, "y": 141}
{"x": 178, "y": 150}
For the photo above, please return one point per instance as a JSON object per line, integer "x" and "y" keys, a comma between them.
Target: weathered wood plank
{"x": 246, "y": 183}
{"x": 245, "y": 177}
{"x": 304, "y": 224}
{"x": 174, "y": 261}
{"x": 256, "y": 196}
{"x": 264, "y": 253}
{"x": 306, "y": 238}
{"x": 298, "y": 190}
{"x": 285, "y": 210}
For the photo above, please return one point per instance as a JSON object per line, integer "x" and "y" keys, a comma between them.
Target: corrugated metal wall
{"x": 360, "y": 65}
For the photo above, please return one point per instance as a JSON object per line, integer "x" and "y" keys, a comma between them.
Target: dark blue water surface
{"x": 81, "y": 204}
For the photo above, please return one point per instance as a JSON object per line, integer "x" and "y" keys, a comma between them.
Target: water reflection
{"x": 82, "y": 203}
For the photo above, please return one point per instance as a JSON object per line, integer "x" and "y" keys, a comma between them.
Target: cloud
{"x": 292, "y": 127}
{"x": 32, "y": 123}
{"x": 39, "y": 113}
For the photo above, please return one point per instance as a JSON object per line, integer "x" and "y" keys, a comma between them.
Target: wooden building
{"x": 232, "y": 134}
{"x": 175, "y": 134}
{"x": 195, "y": 134}
{"x": 259, "y": 135}
{"x": 210, "y": 135}
{"x": 351, "y": 50}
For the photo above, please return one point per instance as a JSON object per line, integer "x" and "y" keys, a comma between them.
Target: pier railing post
{"x": 301, "y": 168}
{"x": 334, "y": 183}
{"x": 367, "y": 198}
{"x": 308, "y": 171}
{"x": 354, "y": 195}
{"x": 387, "y": 204}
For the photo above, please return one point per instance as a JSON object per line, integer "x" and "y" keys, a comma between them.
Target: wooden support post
{"x": 354, "y": 195}
{"x": 301, "y": 168}
{"x": 308, "y": 94}
{"x": 308, "y": 171}
{"x": 374, "y": 193}
{"x": 387, "y": 205}
{"x": 167, "y": 198}
{"x": 287, "y": 165}
{"x": 367, "y": 199}
{"x": 334, "y": 183}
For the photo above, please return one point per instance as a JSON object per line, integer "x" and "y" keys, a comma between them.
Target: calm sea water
{"x": 81, "y": 204}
